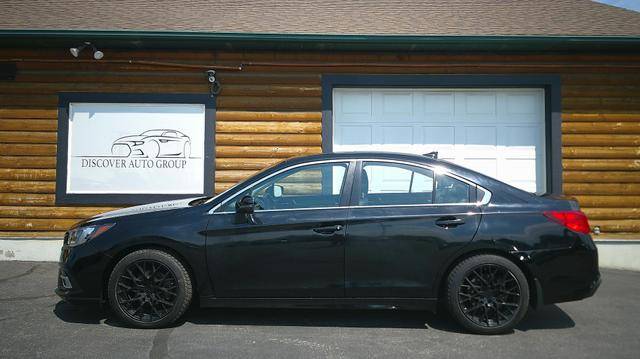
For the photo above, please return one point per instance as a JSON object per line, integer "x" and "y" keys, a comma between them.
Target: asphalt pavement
{"x": 35, "y": 323}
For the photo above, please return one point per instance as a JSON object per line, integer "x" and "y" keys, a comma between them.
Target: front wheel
{"x": 487, "y": 294}
{"x": 149, "y": 289}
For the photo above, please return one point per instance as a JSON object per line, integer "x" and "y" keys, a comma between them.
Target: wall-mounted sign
{"x": 127, "y": 149}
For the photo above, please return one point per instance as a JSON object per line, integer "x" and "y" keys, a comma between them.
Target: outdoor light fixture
{"x": 97, "y": 54}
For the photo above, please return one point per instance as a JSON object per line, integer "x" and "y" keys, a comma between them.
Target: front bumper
{"x": 80, "y": 274}
{"x": 73, "y": 294}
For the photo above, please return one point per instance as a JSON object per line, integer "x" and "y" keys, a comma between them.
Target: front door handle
{"x": 449, "y": 221}
{"x": 328, "y": 230}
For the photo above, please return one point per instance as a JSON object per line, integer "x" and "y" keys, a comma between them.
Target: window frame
{"x": 473, "y": 190}
{"x": 345, "y": 191}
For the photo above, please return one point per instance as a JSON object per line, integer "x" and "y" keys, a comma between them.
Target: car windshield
{"x": 153, "y": 133}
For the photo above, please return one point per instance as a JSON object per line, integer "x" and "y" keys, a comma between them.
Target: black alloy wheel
{"x": 149, "y": 289}
{"x": 488, "y": 294}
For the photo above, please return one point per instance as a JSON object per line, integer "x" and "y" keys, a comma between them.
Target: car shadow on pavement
{"x": 549, "y": 317}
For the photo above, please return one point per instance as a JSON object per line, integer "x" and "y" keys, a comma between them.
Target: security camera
{"x": 212, "y": 76}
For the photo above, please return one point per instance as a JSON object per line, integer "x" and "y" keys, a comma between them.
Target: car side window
{"x": 451, "y": 190}
{"x": 169, "y": 134}
{"x": 395, "y": 184}
{"x": 312, "y": 186}
{"x": 398, "y": 184}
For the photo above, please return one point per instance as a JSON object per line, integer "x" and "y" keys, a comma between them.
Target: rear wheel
{"x": 487, "y": 294}
{"x": 149, "y": 289}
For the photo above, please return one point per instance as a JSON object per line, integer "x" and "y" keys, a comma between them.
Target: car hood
{"x": 130, "y": 138}
{"x": 146, "y": 208}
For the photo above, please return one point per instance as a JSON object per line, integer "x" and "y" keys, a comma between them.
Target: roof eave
{"x": 255, "y": 41}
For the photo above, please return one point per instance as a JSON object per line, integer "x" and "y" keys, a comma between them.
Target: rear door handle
{"x": 328, "y": 230}
{"x": 447, "y": 222}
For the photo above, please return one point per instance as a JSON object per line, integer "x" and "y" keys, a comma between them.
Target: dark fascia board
{"x": 314, "y": 42}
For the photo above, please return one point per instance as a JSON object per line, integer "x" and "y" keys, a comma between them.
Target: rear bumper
{"x": 565, "y": 275}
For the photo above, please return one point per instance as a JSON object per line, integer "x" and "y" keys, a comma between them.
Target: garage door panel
{"x": 481, "y": 137}
{"x": 397, "y": 135}
{"x": 518, "y": 170}
{"x": 354, "y": 106}
{"x": 442, "y": 136}
{"x": 521, "y": 141}
{"x": 477, "y": 106}
{"x": 354, "y": 135}
{"x": 438, "y": 106}
{"x": 392, "y": 107}
{"x": 522, "y": 136}
{"x": 499, "y": 132}
{"x": 523, "y": 103}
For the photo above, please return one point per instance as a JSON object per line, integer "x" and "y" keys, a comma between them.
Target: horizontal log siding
{"x": 269, "y": 113}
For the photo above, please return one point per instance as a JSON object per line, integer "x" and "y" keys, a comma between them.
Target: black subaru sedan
{"x": 348, "y": 230}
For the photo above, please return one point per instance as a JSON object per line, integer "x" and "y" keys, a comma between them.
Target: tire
{"x": 481, "y": 294}
{"x": 149, "y": 280}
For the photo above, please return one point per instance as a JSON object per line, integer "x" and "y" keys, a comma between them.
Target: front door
{"x": 405, "y": 223}
{"x": 292, "y": 246}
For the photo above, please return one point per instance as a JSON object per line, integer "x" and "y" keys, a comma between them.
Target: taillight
{"x": 574, "y": 220}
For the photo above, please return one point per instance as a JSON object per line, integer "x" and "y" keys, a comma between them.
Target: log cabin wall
{"x": 268, "y": 112}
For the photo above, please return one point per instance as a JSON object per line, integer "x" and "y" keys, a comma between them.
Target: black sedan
{"x": 356, "y": 230}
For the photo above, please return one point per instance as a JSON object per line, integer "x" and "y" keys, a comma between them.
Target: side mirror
{"x": 246, "y": 205}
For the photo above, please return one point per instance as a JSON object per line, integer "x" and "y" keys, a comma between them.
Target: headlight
{"x": 137, "y": 143}
{"x": 82, "y": 234}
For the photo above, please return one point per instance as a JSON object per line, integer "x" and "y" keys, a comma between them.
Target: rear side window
{"x": 395, "y": 184}
{"x": 451, "y": 190}
{"x": 398, "y": 184}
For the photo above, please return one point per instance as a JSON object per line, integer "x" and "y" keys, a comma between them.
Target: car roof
{"x": 366, "y": 155}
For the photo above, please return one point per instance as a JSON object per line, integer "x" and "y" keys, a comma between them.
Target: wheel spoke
{"x": 481, "y": 278}
{"x": 138, "y": 298}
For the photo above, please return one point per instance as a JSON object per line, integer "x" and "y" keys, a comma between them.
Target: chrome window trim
{"x": 288, "y": 209}
{"x": 436, "y": 169}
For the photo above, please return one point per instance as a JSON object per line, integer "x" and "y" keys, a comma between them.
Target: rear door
{"x": 404, "y": 223}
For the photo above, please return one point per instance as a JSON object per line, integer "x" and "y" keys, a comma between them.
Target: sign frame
{"x": 64, "y": 99}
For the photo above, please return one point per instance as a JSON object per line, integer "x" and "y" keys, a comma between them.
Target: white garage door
{"x": 499, "y": 132}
